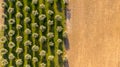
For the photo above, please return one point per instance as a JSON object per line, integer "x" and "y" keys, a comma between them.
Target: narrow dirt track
{"x": 94, "y": 33}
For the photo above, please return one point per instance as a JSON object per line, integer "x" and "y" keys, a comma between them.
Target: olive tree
{"x": 11, "y": 21}
{"x": 28, "y": 56}
{"x": 42, "y": 17}
{"x": 42, "y": 65}
{"x": 27, "y": 43}
{"x": 42, "y": 6}
{"x": 51, "y": 57}
{"x": 4, "y": 27}
{"x": 42, "y": 53}
{"x": 3, "y": 39}
{"x": 59, "y": 52}
{"x": 27, "y": 8}
{"x": 4, "y": 5}
{"x": 35, "y": 48}
{"x": 35, "y": 12}
{"x": 4, "y": 62}
{"x": 28, "y": 31}
{"x": 50, "y": 12}
{"x": 58, "y": 18}
{"x": 19, "y": 4}
{"x": 65, "y": 34}
{"x": 11, "y": 33}
{"x": 19, "y": 62}
{"x": 50, "y": 35}
{"x": 34, "y": 25}
{"x": 4, "y": 16}
{"x": 27, "y": 65}
{"x": 18, "y": 26}
{"x": 19, "y": 15}
{"x": 42, "y": 28}
{"x": 3, "y": 51}
{"x": 50, "y": 22}
{"x": 19, "y": 50}
{"x": 51, "y": 43}
{"x": 27, "y": 20}
{"x": 34, "y": 2}
{"x": 11, "y": 56}
{"x": 42, "y": 39}
{"x": 50, "y": 1}
{"x": 65, "y": 58}
{"x": 10, "y": 10}
{"x": 11, "y": 45}
{"x": 19, "y": 38}
{"x": 35, "y": 59}
{"x": 35, "y": 35}
{"x": 59, "y": 28}
{"x": 59, "y": 40}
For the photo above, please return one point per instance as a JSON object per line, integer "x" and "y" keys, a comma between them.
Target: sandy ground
{"x": 1, "y": 23}
{"x": 1, "y": 12}
{"x": 94, "y": 33}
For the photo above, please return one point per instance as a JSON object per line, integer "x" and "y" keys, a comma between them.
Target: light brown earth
{"x": 1, "y": 23}
{"x": 94, "y": 33}
{"x": 1, "y": 12}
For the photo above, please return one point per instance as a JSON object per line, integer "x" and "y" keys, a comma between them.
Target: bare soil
{"x": 94, "y": 33}
{"x": 1, "y": 12}
{"x": 1, "y": 23}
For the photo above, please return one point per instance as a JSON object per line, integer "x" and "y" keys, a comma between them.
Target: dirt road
{"x": 94, "y": 33}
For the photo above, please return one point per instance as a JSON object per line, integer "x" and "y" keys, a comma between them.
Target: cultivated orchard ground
{"x": 34, "y": 33}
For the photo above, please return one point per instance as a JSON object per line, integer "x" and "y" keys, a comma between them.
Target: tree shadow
{"x": 66, "y": 40}
{"x": 67, "y": 13}
{"x": 5, "y": 0}
{"x": 67, "y": 45}
{"x": 59, "y": 6}
{"x": 66, "y": 64}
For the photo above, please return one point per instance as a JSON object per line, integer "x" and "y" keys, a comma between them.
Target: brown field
{"x": 94, "y": 33}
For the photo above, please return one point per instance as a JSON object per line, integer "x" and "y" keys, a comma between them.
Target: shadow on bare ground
{"x": 68, "y": 13}
{"x": 68, "y": 16}
{"x": 66, "y": 64}
{"x": 67, "y": 45}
